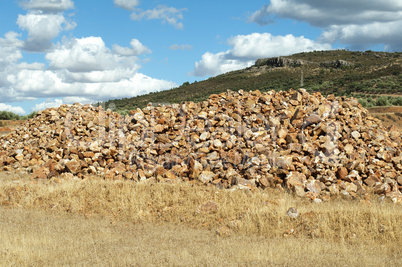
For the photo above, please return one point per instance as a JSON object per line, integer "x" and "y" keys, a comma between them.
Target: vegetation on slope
{"x": 365, "y": 75}
{"x": 8, "y": 115}
{"x": 375, "y": 78}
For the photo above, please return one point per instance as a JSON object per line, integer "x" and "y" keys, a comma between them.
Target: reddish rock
{"x": 242, "y": 139}
{"x": 342, "y": 173}
{"x": 73, "y": 166}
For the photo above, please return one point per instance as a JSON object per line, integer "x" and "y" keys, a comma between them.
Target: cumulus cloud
{"x": 80, "y": 68}
{"x": 10, "y": 55}
{"x": 86, "y": 55}
{"x": 48, "y": 103}
{"x": 326, "y": 13}
{"x": 164, "y": 13}
{"x": 10, "y": 50}
{"x": 51, "y": 6}
{"x": 44, "y": 21}
{"x": 180, "y": 47}
{"x": 136, "y": 49}
{"x": 360, "y": 36}
{"x": 127, "y": 4}
{"x": 356, "y": 23}
{"x": 17, "y": 110}
{"x": 215, "y": 64}
{"x": 248, "y": 48}
{"x": 42, "y": 29}
{"x": 257, "y": 45}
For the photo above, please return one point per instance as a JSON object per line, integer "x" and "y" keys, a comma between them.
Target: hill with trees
{"x": 375, "y": 78}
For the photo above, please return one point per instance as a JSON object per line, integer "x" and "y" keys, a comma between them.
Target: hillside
{"x": 373, "y": 77}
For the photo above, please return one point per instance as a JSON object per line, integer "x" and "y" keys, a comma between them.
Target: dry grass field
{"x": 113, "y": 223}
{"x": 388, "y": 115}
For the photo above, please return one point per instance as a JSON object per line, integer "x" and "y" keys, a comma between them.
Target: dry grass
{"x": 59, "y": 222}
{"x": 39, "y": 238}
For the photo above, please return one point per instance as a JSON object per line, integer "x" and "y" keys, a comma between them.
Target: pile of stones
{"x": 314, "y": 146}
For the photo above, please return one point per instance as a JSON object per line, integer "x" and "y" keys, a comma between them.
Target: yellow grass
{"x": 75, "y": 222}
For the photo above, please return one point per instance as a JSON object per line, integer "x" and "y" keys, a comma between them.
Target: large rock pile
{"x": 311, "y": 145}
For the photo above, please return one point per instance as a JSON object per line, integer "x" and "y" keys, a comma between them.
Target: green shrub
{"x": 363, "y": 102}
{"x": 396, "y": 101}
{"x": 382, "y": 101}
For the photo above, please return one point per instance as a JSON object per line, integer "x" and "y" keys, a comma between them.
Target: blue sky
{"x": 56, "y": 52}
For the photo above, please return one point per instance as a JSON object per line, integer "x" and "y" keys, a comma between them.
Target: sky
{"x": 55, "y": 52}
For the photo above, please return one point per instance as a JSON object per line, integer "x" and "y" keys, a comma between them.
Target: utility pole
{"x": 301, "y": 79}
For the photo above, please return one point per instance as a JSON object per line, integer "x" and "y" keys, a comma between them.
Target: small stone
{"x": 217, "y": 143}
{"x": 206, "y": 176}
{"x": 342, "y": 173}
{"x": 292, "y": 213}
{"x": 205, "y": 136}
{"x": 356, "y": 135}
{"x": 209, "y": 207}
{"x": 399, "y": 180}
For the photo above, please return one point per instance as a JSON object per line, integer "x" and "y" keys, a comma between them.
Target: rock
{"x": 223, "y": 231}
{"x": 314, "y": 146}
{"x": 292, "y": 213}
{"x": 73, "y": 166}
{"x": 333, "y": 190}
{"x": 312, "y": 119}
{"x": 208, "y": 207}
{"x": 204, "y": 136}
{"x": 350, "y": 187}
{"x": 295, "y": 179}
{"x": 206, "y": 176}
{"x": 399, "y": 180}
{"x": 342, "y": 173}
{"x": 313, "y": 187}
{"x": 195, "y": 169}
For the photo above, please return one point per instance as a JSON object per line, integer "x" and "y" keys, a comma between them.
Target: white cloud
{"x": 81, "y": 68}
{"x": 30, "y": 84}
{"x": 167, "y": 14}
{"x": 49, "y": 103}
{"x": 10, "y": 55}
{"x": 258, "y": 45}
{"x": 180, "y": 47}
{"x": 136, "y": 49}
{"x": 215, "y": 64}
{"x": 358, "y": 23}
{"x": 127, "y": 4}
{"x": 48, "y": 5}
{"x": 362, "y": 35}
{"x": 326, "y": 13}
{"x": 10, "y": 50}
{"x": 31, "y": 66}
{"x": 86, "y": 55}
{"x": 42, "y": 29}
{"x": 248, "y": 48}
{"x": 77, "y": 99}
{"x": 17, "y": 110}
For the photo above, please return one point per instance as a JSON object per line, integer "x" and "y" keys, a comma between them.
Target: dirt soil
{"x": 389, "y": 115}
{"x": 8, "y": 126}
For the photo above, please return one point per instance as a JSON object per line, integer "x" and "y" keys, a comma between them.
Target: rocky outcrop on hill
{"x": 336, "y": 64}
{"x": 316, "y": 147}
{"x": 276, "y": 62}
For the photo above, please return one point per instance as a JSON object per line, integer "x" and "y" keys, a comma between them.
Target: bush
{"x": 382, "y": 101}
{"x": 7, "y": 115}
{"x": 32, "y": 114}
{"x": 363, "y": 102}
{"x": 396, "y": 101}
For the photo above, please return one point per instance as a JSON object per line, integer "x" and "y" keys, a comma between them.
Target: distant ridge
{"x": 351, "y": 73}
